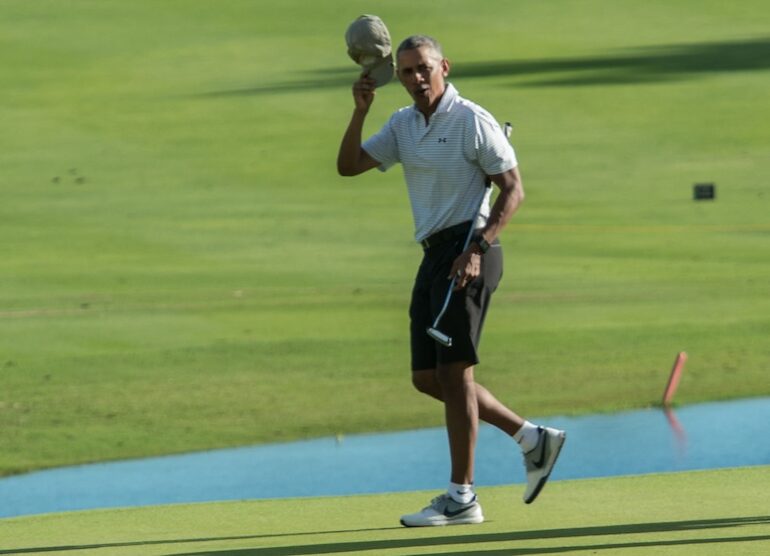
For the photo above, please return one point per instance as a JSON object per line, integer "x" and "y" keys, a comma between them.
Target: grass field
{"x": 683, "y": 514}
{"x": 183, "y": 269}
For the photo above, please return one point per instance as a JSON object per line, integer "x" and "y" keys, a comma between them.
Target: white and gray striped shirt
{"x": 446, "y": 161}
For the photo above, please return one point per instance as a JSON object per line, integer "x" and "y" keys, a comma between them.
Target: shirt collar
{"x": 447, "y": 100}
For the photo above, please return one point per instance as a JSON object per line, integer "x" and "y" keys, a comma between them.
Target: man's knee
{"x": 426, "y": 383}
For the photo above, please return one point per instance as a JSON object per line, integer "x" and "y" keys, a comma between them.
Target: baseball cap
{"x": 369, "y": 46}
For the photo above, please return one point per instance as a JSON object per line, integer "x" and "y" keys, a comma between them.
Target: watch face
{"x": 483, "y": 244}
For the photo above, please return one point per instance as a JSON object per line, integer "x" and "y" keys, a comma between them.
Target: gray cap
{"x": 369, "y": 46}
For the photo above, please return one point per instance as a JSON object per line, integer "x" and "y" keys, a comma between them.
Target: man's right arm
{"x": 352, "y": 158}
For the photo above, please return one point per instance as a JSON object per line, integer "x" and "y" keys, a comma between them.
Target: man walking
{"x": 448, "y": 147}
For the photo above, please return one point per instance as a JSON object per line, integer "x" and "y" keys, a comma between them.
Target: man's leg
{"x": 459, "y": 505}
{"x": 490, "y": 409}
{"x": 461, "y": 410}
{"x": 540, "y": 445}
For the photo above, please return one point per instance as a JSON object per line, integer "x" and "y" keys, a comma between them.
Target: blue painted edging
{"x": 726, "y": 434}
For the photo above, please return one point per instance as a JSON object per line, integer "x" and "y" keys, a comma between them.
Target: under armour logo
{"x": 442, "y": 140}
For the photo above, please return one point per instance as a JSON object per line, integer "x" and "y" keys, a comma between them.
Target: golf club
{"x": 433, "y": 331}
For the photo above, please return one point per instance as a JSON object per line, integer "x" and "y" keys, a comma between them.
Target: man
{"x": 448, "y": 147}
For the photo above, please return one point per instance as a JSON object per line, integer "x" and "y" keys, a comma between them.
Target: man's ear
{"x": 445, "y": 67}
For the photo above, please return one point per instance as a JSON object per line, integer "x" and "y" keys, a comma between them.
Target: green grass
{"x": 182, "y": 269}
{"x": 697, "y": 513}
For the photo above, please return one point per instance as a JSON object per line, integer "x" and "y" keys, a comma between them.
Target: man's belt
{"x": 447, "y": 234}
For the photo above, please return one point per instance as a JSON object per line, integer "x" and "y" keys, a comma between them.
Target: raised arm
{"x": 353, "y": 160}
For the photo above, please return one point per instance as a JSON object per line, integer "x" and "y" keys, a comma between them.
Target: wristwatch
{"x": 482, "y": 243}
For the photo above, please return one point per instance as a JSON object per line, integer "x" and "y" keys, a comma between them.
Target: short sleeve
{"x": 383, "y": 146}
{"x": 494, "y": 152}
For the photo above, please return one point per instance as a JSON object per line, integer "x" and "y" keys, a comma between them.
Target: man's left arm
{"x": 507, "y": 203}
{"x": 468, "y": 265}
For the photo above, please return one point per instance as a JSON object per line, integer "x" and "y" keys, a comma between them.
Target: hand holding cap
{"x": 369, "y": 46}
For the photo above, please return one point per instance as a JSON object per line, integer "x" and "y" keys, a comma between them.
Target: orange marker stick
{"x": 673, "y": 379}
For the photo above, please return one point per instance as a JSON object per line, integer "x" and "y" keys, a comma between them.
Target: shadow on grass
{"x": 472, "y": 539}
{"x": 640, "y": 65}
{"x": 129, "y": 544}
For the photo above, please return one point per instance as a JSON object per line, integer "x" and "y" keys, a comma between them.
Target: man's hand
{"x": 363, "y": 93}
{"x": 465, "y": 268}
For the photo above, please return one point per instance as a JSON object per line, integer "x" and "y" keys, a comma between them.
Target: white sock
{"x": 462, "y": 494}
{"x": 527, "y": 436}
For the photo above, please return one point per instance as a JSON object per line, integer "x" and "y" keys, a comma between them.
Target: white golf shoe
{"x": 540, "y": 460}
{"x": 443, "y": 510}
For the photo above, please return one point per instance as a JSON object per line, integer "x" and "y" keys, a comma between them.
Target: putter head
{"x": 440, "y": 337}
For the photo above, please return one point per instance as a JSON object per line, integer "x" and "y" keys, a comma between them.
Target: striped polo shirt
{"x": 445, "y": 162}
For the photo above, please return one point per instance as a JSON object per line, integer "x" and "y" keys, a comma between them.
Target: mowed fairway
{"x": 182, "y": 268}
{"x": 689, "y": 514}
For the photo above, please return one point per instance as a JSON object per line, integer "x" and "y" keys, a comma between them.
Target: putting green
{"x": 697, "y": 513}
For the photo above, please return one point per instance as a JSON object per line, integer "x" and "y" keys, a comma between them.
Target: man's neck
{"x": 430, "y": 110}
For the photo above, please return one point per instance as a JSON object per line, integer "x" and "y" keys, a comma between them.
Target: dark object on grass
{"x": 704, "y": 191}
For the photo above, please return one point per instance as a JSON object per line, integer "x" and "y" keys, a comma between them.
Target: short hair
{"x": 418, "y": 41}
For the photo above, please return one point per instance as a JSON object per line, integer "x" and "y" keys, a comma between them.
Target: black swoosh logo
{"x": 539, "y": 462}
{"x": 449, "y": 513}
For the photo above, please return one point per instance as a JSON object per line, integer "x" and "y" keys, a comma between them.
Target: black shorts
{"x": 464, "y": 317}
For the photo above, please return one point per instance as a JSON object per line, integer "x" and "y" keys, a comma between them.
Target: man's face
{"x": 422, "y": 72}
